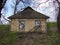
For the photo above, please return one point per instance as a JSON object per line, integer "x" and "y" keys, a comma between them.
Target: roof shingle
{"x": 28, "y": 13}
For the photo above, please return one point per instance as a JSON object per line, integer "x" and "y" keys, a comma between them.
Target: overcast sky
{"x": 45, "y": 8}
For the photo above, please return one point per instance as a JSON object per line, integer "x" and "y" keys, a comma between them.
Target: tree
{"x": 58, "y": 17}
{"x": 2, "y": 3}
{"x": 14, "y": 6}
{"x": 16, "y": 3}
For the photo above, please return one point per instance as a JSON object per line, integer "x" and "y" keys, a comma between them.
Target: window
{"x": 21, "y": 24}
{"x": 37, "y": 23}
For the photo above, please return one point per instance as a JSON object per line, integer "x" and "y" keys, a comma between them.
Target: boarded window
{"x": 21, "y": 24}
{"x": 37, "y": 23}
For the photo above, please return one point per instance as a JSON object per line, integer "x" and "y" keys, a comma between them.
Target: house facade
{"x": 28, "y": 20}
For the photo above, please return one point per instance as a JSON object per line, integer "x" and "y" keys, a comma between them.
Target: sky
{"x": 47, "y": 8}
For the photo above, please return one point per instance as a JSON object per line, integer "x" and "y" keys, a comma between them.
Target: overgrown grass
{"x": 8, "y": 38}
{"x": 4, "y": 27}
{"x": 52, "y": 24}
{"x": 53, "y": 36}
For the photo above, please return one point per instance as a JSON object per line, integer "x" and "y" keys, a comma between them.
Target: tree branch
{"x": 58, "y": 2}
{"x": 17, "y": 2}
{"x": 6, "y": 19}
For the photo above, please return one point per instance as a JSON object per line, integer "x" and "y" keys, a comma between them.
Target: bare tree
{"x": 2, "y": 3}
{"x": 16, "y": 3}
{"x": 58, "y": 17}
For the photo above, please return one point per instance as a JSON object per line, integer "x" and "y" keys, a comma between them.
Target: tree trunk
{"x": 2, "y": 3}
{"x": 58, "y": 20}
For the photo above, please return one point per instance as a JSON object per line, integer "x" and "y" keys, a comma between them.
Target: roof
{"x": 28, "y": 13}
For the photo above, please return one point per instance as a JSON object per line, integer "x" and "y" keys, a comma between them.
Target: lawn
{"x": 14, "y": 38}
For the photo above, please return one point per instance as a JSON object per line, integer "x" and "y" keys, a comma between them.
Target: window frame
{"x": 20, "y": 24}
{"x": 37, "y": 21}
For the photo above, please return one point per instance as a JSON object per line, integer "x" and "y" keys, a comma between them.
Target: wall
{"x": 14, "y": 25}
{"x": 29, "y": 24}
{"x": 43, "y": 25}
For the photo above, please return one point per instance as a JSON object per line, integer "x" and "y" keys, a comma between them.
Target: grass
{"x": 51, "y": 24}
{"x": 53, "y": 36}
{"x": 8, "y": 38}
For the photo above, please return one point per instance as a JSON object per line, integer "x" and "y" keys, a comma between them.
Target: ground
{"x": 52, "y": 37}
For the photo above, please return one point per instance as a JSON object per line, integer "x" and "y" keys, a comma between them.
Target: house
{"x": 28, "y": 20}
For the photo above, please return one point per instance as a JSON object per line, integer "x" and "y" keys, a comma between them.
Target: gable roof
{"x": 28, "y": 13}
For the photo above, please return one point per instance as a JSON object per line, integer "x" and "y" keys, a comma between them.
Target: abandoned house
{"x": 28, "y": 20}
